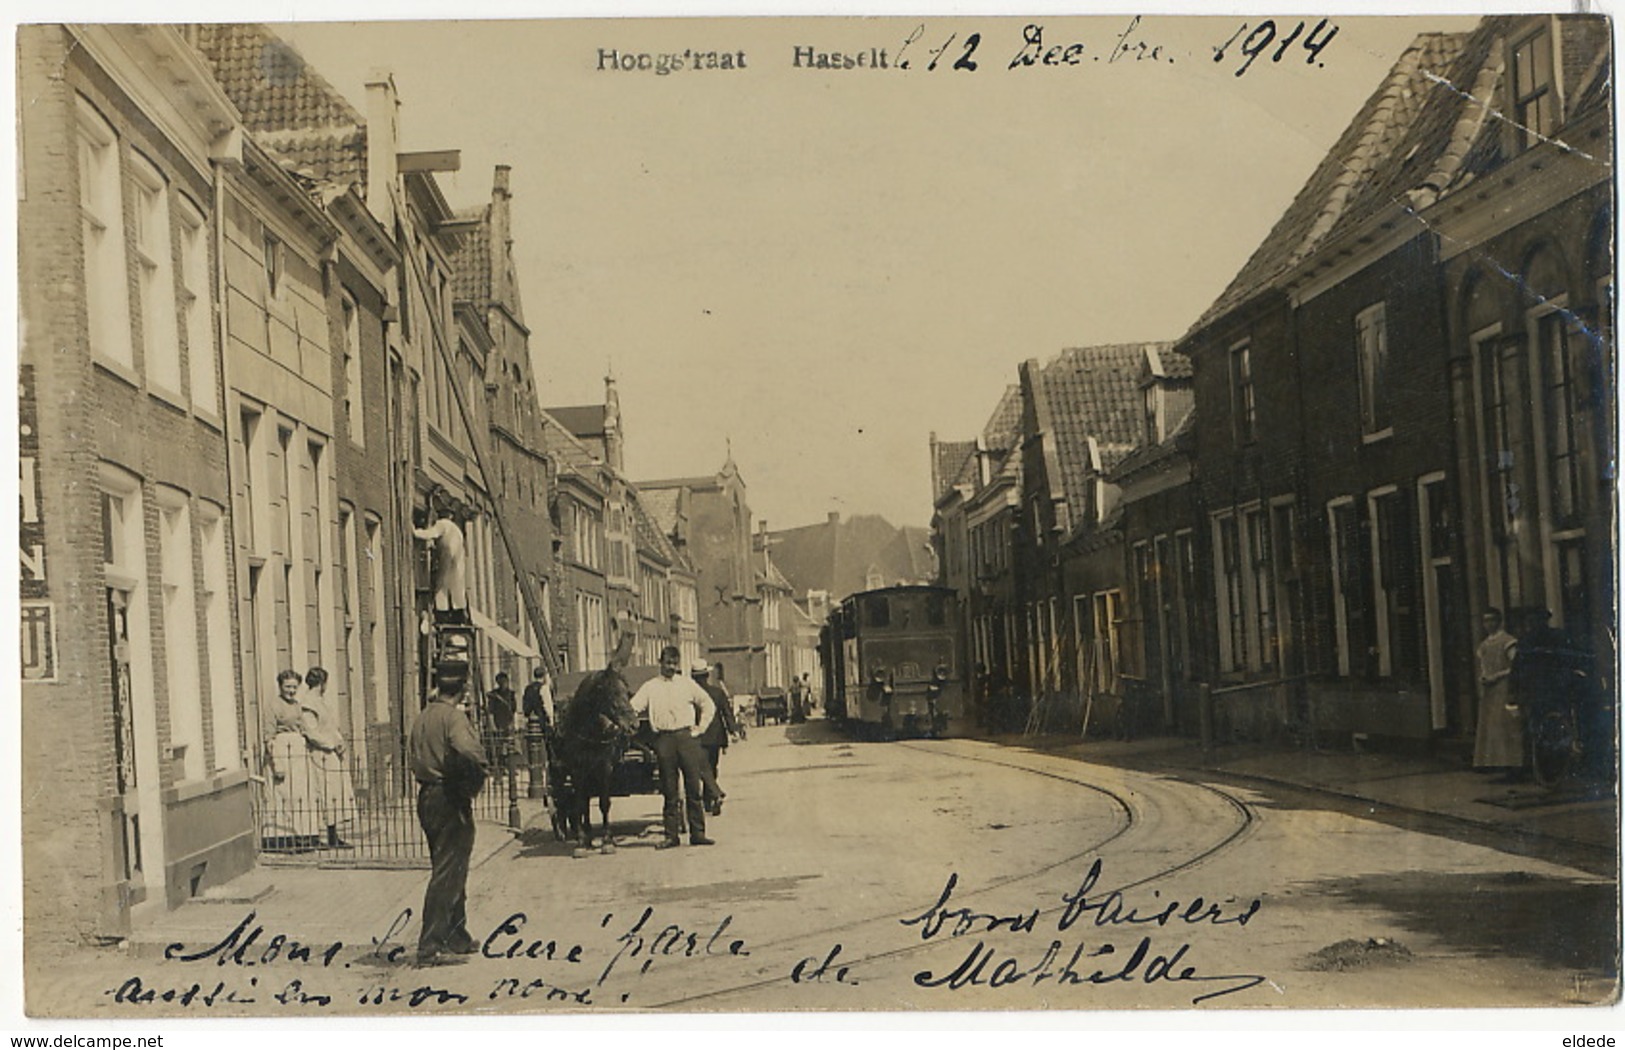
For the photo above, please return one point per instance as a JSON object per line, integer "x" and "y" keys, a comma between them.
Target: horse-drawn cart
{"x": 774, "y": 704}
{"x": 635, "y": 772}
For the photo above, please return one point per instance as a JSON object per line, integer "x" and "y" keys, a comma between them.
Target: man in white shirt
{"x": 678, "y": 711}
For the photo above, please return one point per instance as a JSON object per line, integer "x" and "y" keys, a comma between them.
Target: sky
{"x": 818, "y": 268}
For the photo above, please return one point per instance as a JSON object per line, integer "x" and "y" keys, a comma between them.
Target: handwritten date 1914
{"x": 1265, "y": 33}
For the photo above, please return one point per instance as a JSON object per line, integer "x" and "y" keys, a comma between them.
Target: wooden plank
{"x": 430, "y": 160}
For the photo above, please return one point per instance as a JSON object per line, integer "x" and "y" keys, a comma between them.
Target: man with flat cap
{"x": 449, "y": 765}
{"x": 714, "y": 738}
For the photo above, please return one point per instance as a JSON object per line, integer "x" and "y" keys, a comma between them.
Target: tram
{"x": 889, "y": 662}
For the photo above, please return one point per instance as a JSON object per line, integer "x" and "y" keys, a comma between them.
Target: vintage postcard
{"x": 908, "y": 514}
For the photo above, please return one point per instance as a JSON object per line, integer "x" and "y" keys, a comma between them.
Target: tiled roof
{"x": 836, "y": 556}
{"x": 584, "y": 421}
{"x": 911, "y": 548}
{"x": 661, "y": 506}
{"x": 1090, "y": 393}
{"x": 650, "y": 535}
{"x": 471, "y": 263}
{"x": 1392, "y": 145}
{"x": 563, "y": 445}
{"x": 702, "y": 481}
{"x": 1004, "y": 426}
{"x": 1477, "y": 145}
{"x": 289, "y": 107}
{"x": 1180, "y": 441}
{"x": 1173, "y": 364}
{"x": 951, "y": 460}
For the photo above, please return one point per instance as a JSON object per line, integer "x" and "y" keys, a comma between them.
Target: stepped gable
{"x": 1392, "y": 145}
{"x": 290, "y": 108}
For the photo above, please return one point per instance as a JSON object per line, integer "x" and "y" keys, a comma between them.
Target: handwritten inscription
{"x": 967, "y": 51}
{"x": 986, "y": 965}
{"x": 1086, "y": 937}
{"x": 1264, "y": 34}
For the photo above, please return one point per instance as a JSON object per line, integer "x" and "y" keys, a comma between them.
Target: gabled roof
{"x": 952, "y": 461}
{"x": 836, "y": 555}
{"x": 1003, "y": 428}
{"x": 1390, "y": 146}
{"x": 584, "y": 421}
{"x": 1181, "y": 440}
{"x": 650, "y": 536}
{"x": 1088, "y": 396}
{"x": 703, "y": 481}
{"x": 563, "y": 446}
{"x": 290, "y": 108}
{"x": 471, "y": 263}
{"x": 661, "y": 506}
{"x": 1168, "y": 363}
{"x": 1435, "y": 126}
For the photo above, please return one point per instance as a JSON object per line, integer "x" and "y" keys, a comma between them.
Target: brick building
{"x": 130, "y": 676}
{"x": 983, "y": 498}
{"x": 1525, "y": 222}
{"x": 718, "y": 538}
{"x": 1081, "y": 414}
{"x": 485, "y": 288}
{"x": 1159, "y": 515}
{"x": 577, "y": 503}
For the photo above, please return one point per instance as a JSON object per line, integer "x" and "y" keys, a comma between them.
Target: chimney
{"x": 383, "y": 142}
{"x": 501, "y": 234}
{"x": 834, "y": 518}
{"x": 612, "y": 424}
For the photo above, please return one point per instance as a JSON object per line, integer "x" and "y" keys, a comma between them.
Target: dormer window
{"x": 1153, "y": 428}
{"x": 1534, "y": 92}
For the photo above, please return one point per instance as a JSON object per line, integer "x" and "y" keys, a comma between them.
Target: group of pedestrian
{"x": 692, "y": 718}
{"x": 305, "y": 760}
{"x": 1524, "y": 666}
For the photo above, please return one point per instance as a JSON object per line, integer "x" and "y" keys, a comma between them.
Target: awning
{"x": 497, "y": 634}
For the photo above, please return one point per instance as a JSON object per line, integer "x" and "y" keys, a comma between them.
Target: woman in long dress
{"x": 327, "y": 757}
{"x": 294, "y": 812}
{"x": 1499, "y": 743}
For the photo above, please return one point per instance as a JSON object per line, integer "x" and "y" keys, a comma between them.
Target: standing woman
{"x": 294, "y": 811}
{"x": 326, "y": 744}
{"x": 1498, "y": 746}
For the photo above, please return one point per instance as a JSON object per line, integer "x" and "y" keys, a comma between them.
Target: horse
{"x": 592, "y": 732}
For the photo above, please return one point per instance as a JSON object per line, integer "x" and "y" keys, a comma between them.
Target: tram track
{"x": 1128, "y": 821}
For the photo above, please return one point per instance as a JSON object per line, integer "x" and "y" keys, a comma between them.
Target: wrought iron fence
{"x": 361, "y": 809}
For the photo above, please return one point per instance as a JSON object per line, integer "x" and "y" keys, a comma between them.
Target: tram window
{"x": 876, "y": 612}
{"x": 936, "y": 610}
